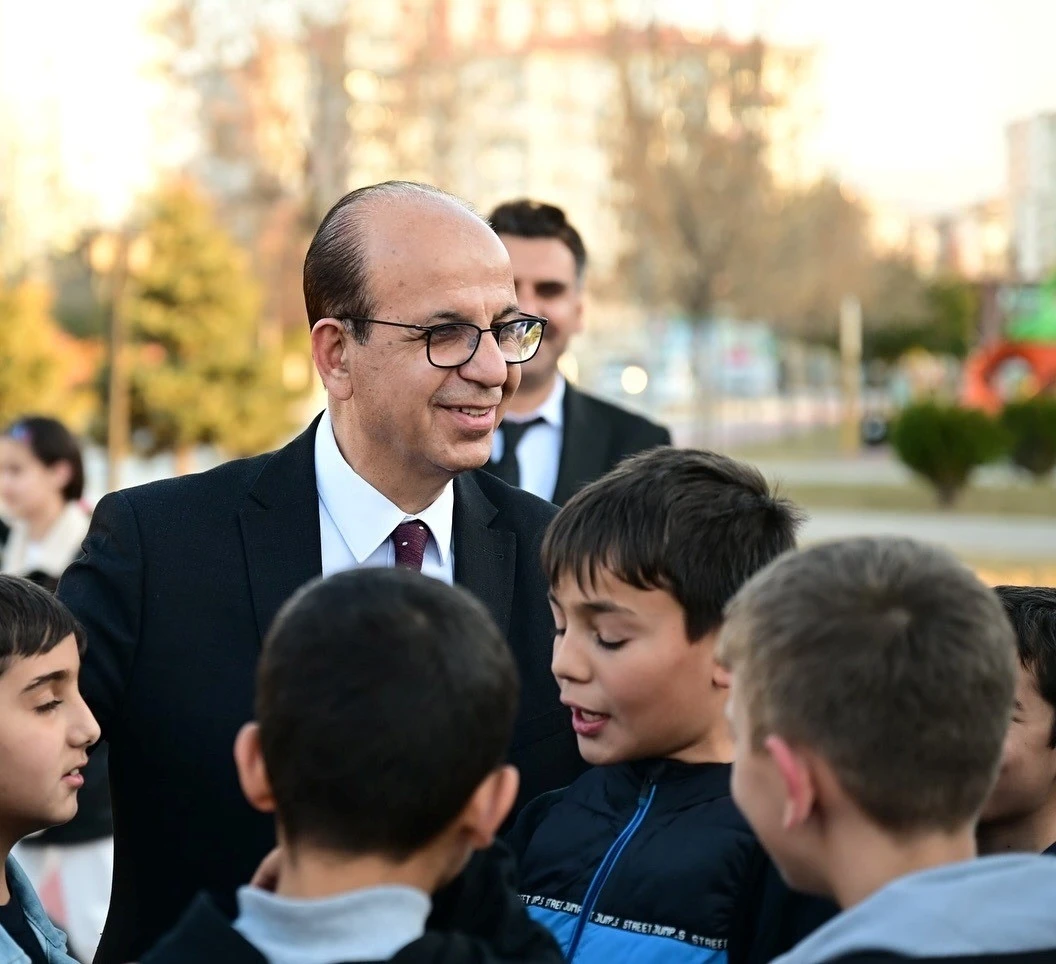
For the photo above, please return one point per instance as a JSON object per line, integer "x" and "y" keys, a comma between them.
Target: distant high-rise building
{"x": 1032, "y": 194}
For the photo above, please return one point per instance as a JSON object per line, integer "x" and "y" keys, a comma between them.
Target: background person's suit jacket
{"x": 597, "y": 435}
{"x": 180, "y": 581}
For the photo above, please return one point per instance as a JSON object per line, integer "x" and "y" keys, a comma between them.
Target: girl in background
{"x": 41, "y": 485}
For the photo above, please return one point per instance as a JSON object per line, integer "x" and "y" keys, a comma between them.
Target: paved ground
{"x": 871, "y": 468}
{"x": 980, "y": 536}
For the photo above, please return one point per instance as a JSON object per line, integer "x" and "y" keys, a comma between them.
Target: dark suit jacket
{"x": 180, "y": 581}
{"x": 597, "y": 436}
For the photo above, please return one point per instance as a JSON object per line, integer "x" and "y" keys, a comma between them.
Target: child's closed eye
{"x": 48, "y": 707}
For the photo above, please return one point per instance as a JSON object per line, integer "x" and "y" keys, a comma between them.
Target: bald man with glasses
{"x": 418, "y": 339}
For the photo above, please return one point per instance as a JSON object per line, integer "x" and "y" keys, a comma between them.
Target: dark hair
{"x": 890, "y": 659}
{"x": 694, "y": 523}
{"x": 531, "y": 219}
{"x": 1032, "y": 612}
{"x": 51, "y": 442}
{"x": 384, "y": 699}
{"x": 32, "y": 621}
{"x": 336, "y": 275}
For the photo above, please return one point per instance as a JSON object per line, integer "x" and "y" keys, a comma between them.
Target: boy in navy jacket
{"x": 646, "y": 856}
{"x": 873, "y": 684}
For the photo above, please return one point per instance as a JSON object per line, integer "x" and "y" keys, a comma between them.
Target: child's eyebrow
{"x": 59, "y": 676}
{"x": 602, "y": 606}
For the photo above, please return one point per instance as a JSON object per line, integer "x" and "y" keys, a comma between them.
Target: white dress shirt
{"x": 356, "y": 521}
{"x": 539, "y": 451}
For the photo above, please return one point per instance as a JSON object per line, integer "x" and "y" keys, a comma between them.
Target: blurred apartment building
{"x": 1032, "y": 194}
{"x": 495, "y": 100}
{"x": 972, "y": 242}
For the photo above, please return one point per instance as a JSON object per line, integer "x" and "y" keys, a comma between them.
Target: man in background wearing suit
{"x": 562, "y": 438}
{"x": 418, "y": 339}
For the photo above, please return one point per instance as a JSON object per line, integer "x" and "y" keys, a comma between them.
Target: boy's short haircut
{"x": 1032, "y": 612}
{"x": 384, "y": 698}
{"x": 889, "y": 658}
{"x": 32, "y": 621}
{"x": 693, "y": 523}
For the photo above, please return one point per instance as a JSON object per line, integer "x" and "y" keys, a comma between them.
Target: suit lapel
{"x": 485, "y": 557}
{"x": 280, "y": 527}
{"x": 584, "y": 445}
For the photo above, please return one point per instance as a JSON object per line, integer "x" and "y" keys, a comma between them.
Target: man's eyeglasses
{"x": 453, "y": 345}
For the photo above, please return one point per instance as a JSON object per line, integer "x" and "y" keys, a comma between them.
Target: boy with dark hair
{"x": 1021, "y": 812}
{"x": 45, "y": 732}
{"x": 385, "y": 705}
{"x": 872, "y": 686}
{"x": 645, "y": 857}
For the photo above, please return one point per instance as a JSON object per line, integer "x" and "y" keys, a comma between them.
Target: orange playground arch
{"x": 982, "y": 366}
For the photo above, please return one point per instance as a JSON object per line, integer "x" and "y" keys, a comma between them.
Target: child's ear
{"x": 490, "y": 805}
{"x": 252, "y": 774}
{"x": 61, "y": 472}
{"x": 797, "y": 779}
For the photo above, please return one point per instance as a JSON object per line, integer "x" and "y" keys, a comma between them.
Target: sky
{"x": 915, "y": 95}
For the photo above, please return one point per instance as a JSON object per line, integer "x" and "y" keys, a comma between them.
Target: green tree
{"x": 945, "y": 444}
{"x": 31, "y": 361}
{"x": 199, "y": 375}
{"x": 1031, "y": 425}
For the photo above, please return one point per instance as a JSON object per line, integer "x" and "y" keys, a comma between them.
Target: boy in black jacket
{"x": 872, "y": 688}
{"x": 385, "y": 705}
{"x": 646, "y": 856}
{"x": 1021, "y": 812}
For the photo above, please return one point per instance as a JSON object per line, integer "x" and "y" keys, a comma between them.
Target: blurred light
{"x": 634, "y": 380}
{"x": 103, "y": 253}
{"x": 568, "y": 365}
{"x": 361, "y": 84}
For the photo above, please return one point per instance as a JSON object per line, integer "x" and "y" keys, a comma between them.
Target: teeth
{"x": 591, "y": 717}
{"x": 474, "y": 411}
{"x": 75, "y": 772}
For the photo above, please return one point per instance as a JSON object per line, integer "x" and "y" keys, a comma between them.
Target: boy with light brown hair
{"x": 872, "y": 686}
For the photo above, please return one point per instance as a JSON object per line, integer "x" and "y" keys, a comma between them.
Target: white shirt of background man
{"x": 539, "y": 451}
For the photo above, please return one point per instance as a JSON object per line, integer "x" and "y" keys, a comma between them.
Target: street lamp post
{"x": 116, "y": 255}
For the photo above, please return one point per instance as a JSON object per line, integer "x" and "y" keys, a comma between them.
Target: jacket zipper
{"x": 645, "y": 799}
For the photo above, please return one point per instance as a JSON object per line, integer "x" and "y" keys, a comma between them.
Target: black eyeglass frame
{"x": 494, "y": 330}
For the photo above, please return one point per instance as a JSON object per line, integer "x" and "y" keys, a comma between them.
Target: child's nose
{"x": 568, "y": 662}
{"x": 86, "y": 730}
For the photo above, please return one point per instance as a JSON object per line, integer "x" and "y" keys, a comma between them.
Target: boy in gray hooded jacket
{"x": 872, "y": 687}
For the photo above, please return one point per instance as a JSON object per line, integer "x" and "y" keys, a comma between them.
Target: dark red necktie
{"x": 410, "y": 539}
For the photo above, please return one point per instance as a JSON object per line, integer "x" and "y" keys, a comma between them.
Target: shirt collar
{"x": 366, "y": 925}
{"x": 552, "y": 411}
{"x": 364, "y": 517}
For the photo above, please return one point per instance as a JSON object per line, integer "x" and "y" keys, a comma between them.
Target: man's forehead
{"x": 539, "y": 256}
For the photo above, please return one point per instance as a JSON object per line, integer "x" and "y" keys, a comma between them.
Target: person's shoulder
{"x": 204, "y": 933}
{"x": 625, "y": 419}
{"x": 516, "y": 506}
{"x": 225, "y": 483}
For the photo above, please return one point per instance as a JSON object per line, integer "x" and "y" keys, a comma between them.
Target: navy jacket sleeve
{"x": 104, "y": 590}
{"x": 519, "y": 836}
{"x": 775, "y": 918}
{"x": 480, "y": 919}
